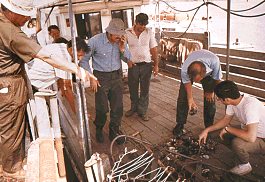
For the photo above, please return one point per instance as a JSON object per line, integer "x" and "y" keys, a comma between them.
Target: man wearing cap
{"x": 15, "y": 50}
{"x": 107, "y": 50}
{"x": 143, "y": 47}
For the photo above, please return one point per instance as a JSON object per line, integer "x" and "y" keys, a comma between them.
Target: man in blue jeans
{"x": 202, "y": 67}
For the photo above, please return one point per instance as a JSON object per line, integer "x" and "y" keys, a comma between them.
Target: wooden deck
{"x": 162, "y": 114}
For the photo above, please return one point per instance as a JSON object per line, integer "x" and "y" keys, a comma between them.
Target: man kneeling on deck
{"x": 251, "y": 115}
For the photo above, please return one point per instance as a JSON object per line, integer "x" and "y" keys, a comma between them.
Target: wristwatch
{"x": 226, "y": 129}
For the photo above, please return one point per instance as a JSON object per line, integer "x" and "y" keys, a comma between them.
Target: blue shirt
{"x": 209, "y": 59}
{"x": 105, "y": 55}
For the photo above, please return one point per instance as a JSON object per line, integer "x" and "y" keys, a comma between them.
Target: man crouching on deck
{"x": 251, "y": 115}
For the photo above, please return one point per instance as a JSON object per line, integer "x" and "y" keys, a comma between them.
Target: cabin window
{"x": 125, "y": 14}
{"x": 88, "y": 24}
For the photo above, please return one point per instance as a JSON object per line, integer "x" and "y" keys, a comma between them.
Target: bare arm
{"x": 248, "y": 134}
{"x": 191, "y": 102}
{"x": 57, "y": 61}
{"x": 216, "y": 126}
{"x": 154, "y": 54}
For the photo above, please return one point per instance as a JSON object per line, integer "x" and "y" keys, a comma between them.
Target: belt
{"x": 140, "y": 63}
{"x": 104, "y": 72}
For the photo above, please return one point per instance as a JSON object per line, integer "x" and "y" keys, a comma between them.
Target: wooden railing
{"x": 246, "y": 68}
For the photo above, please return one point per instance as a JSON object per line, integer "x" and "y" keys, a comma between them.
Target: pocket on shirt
{"x": 13, "y": 92}
{"x": 5, "y": 92}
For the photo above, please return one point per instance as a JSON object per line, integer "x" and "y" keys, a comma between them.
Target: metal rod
{"x": 86, "y": 120}
{"x": 78, "y": 86}
{"x": 73, "y": 34}
{"x": 228, "y": 39}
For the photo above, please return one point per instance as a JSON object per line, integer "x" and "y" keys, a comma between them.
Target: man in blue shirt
{"x": 202, "y": 67}
{"x": 107, "y": 50}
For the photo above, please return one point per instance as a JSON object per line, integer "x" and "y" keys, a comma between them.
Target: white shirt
{"x": 43, "y": 75}
{"x": 140, "y": 47}
{"x": 249, "y": 110}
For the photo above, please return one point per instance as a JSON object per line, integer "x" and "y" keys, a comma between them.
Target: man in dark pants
{"x": 143, "y": 47}
{"x": 107, "y": 50}
{"x": 16, "y": 49}
{"x": 201, "y": 66}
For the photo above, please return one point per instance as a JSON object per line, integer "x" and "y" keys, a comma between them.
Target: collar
{"x": 105, "y": 38}
{"x": 241, "y": 101}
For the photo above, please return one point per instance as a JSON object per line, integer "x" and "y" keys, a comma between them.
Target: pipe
{"x": 228, "y": 39}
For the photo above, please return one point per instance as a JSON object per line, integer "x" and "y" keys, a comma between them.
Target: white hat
{"x": 116, "y": 27}
{"x": 22, "y": 7}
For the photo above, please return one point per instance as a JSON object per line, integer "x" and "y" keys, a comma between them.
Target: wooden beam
{"x": 256, "y": 64}
{"x": 245, "y": 71}
{"x": 100, "y": 5}
{"x": 239, "y": 53}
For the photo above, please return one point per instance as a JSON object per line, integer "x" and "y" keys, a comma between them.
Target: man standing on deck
{"x": 143, "y": 47}
{"x": 15, "y": 50}
{"x": 202, "y": 67}
{"x": 250, "y": 138}
{"x": 107, "y": 50}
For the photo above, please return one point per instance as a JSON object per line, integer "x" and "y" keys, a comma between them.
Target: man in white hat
{"x": 107, "y": 50}
{"x": 15, "y": 50}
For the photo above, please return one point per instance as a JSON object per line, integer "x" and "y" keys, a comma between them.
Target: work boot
{"x": 99, "y": 135}
{"x": 19, "y": 175}
{"x": 113, "y": 135}
{"x": 178, "y": 130}
{"x": 130, "y": 112}
{"x": 144, "y": 117}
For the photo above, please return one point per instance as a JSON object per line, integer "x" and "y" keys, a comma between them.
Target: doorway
{"x": 88, "y": 24}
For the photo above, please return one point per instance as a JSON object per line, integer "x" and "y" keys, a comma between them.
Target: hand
{"x": 79, "y": 72}
{"x": 94, "y": 83}
{"x": 122, "y": 43}
{"x": 155, "y": 70}
{"x": 203, "y": 136}
{"x": 192, "y": 105}
{"x": 222, "y": 132}
{"x": 130, "y": 64}
{"x": 209, "y": 96}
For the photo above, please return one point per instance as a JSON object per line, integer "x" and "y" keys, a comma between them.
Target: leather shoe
{"x": 129, "y": 113}
{"x": 99, "y": 136}
{"x": 144, "y": 117}
{"x": 113, "y": 135}
{"x": 21, "y": 174}
{"x": 178, "y": 131}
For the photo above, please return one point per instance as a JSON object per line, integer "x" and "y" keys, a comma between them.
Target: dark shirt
{"x": 61, "y": 40}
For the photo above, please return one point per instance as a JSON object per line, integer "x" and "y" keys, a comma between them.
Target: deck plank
{"x": 162, "y": 114}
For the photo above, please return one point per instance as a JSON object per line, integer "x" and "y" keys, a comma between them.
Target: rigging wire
{"x": 249, "y": 8}
{"x": 210, "y": 3}
{"x": 236, "y": 14}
